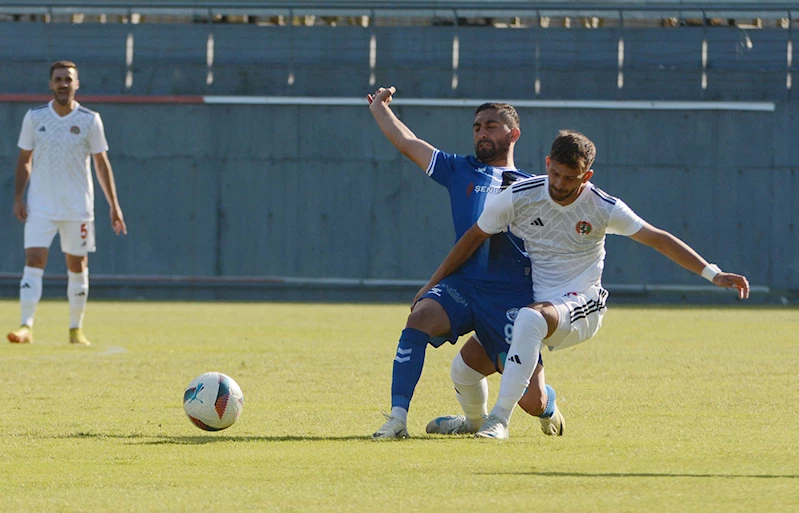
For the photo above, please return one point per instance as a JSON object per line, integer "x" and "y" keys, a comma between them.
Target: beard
{"x": 487, "y": 150}
{"x": 560, "y": 195}
{"x": 62, "y": 98}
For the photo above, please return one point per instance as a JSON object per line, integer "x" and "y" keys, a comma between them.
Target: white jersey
{"x": 61, "y": 186}
{"x": 566, "y": 245}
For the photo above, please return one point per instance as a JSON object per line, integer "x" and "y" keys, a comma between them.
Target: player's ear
{"x": 588, "y": 175}
{"x": 515, "y": 133}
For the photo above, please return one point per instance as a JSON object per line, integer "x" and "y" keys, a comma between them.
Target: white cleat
{"x": 449, "y": 425}
{"x": 493, "y": 427}
{"x": 393, "y": 429}
{"x": 553, "y": 426}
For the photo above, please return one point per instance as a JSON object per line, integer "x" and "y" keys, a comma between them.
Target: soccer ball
{"x": 213, "y": 401}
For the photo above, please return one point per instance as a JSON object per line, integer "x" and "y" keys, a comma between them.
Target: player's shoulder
{"x": 529, "y": 184}
{"x": 38, "y": 112}
{"x": 87, "y": 112}
{"x": 601, "y": 195}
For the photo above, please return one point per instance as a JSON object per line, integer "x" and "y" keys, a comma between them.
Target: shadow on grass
{"x": 209, "y": 439}
{"x": 149, "y": 439}
{"x": 637, "y": 474}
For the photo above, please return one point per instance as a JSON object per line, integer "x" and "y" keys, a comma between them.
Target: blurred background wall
{"x": 273, "y": 181}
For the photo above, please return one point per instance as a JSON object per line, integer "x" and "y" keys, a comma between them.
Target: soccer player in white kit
{"x": 55, "y": 143}
{"x": 563, "y": 218}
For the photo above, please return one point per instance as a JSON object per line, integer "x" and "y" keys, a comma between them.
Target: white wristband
{"x": 710, "y": 271}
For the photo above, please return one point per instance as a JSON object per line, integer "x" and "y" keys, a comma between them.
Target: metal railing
{"x": 456, "y": 8}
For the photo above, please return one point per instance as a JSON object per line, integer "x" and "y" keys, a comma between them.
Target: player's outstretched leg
{"x": 77, "y": 337}
{"x": 471, "y": 389}
{"x": 529, "y": 329}
{"x": 21, "y": 335}
{"x": 407, "y": 370}
{"x": 552, "y": 421}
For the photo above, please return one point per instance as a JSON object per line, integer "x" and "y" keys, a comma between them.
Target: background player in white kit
{"x": 55, "y": 143}
{"x": 563, "y": 219}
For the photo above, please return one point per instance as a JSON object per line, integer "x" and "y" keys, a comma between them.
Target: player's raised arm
{"x": 461, "y": 252}
{"x": 684, "y": 255}
{"x": 396, "y": 131}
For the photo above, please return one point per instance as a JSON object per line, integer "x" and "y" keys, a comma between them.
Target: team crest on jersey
{"x": 75, "y": 129}
{"x": 583, "y": 228}
{"x": 511, "y": 314}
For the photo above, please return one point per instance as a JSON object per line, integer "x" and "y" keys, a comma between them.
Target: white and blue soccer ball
{"x": 213, "y": 401}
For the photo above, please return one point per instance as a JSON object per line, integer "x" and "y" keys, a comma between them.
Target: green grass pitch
{"x": 667, "y": 409}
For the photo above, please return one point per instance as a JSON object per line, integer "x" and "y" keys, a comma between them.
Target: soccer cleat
{"x": 21, "y": 335}
{"x": 449, "y": 425}
{"x": 393, "y": 429}
{"x": 553, "y": 426}
{"x": 493, "y": 427}
{"x": 77, "y": 337}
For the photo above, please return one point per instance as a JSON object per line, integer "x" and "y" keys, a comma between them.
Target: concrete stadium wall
{"x": 317, "y": 191}
{"x": 427, "y": 62}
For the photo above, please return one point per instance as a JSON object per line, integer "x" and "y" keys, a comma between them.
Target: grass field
{"x": 667, "y": 409}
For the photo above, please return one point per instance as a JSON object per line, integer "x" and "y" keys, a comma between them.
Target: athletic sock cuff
{"x": 550, "y": 409}
{"x": 414, "y": 337}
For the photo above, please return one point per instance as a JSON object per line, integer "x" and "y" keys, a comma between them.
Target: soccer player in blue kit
{"x": 469, "y": 300}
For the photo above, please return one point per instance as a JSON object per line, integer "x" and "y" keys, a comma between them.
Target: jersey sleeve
{"x": 623, "y": 221}
{"x": 26, "y": 133}
{"x": 97, "y": 142}
{"x": 497, "y": 212}
{"x": 442, "y": 167}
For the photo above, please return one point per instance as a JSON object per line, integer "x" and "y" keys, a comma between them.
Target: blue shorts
{"x": 488, "y": 309}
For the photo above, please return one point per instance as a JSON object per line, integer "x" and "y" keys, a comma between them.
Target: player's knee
{"x": 427, "y": 317}
{"x": 35, "y": 259}
{"x": 541, "y": 316}
{"x": 462, "y": 374}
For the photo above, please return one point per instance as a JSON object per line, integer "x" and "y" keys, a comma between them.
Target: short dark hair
{"x": 62, "y": 65}
{"x": 574, "y": 150}
{"x": 506, "y": 111}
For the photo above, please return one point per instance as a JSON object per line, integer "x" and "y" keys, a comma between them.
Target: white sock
{"x": 471, "y": 389}
{"x": 30, "y": 292}
{"x": 77, "y": 293}
{"x": 400, "y": 413}
{"x": 529, "y": 330}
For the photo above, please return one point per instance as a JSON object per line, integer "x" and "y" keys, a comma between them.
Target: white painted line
{"x": 471, "y": 102}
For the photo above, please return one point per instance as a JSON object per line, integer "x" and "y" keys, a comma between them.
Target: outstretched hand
{"x": 382, "y": 95}
{"x": 733, "y": 281}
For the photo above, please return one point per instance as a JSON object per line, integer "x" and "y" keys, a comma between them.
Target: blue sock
{"x": 550, "y": 409}
{"x": 408, "y": 366}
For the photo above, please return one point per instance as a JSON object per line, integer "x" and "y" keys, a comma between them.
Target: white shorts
{"x": 580, "y": 317}
{"x": 77, "y": 237}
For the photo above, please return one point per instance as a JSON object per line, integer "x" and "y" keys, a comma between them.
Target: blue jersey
{"x": 469, "y": 182}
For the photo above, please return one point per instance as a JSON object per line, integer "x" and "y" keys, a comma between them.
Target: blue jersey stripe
{"x": 529, "y": 184}
{"x": 604, "y": 195}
